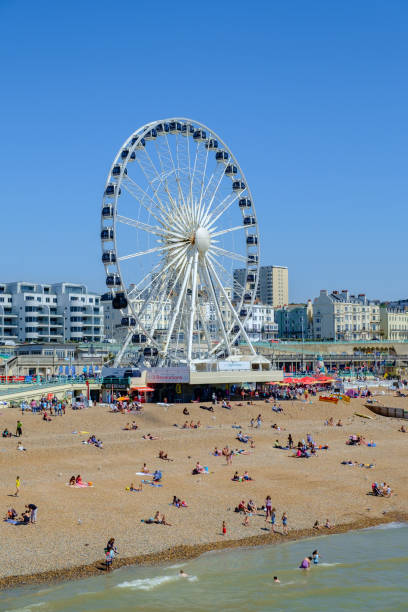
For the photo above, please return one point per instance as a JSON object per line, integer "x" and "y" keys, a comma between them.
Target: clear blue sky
{"x": 310, "y": 95}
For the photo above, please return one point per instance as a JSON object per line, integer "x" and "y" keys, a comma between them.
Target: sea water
{"x": 359, "y": 570}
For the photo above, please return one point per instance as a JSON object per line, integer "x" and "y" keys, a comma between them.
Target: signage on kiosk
{"x": 168, "y": 375}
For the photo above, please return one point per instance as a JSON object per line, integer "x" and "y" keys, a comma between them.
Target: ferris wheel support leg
{"x": 192, "y": 308}
{"x": 234, "y": 314}
{"x": 177, "y": 308}
{"x": 217, "y": 307}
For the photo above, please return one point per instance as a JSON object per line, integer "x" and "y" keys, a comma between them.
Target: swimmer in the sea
{"x": 276, "y": 579}
{"x": 183, "y": 574}
{"x": 306, "y": 563}
{"x": 315, "y": 557}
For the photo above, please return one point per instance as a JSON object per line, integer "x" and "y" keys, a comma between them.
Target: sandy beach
{"x": 74, "y": 525}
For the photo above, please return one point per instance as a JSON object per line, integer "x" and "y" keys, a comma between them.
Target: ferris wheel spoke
{"x": 220, "y": 321}
{"x": 152, "y": 175}
{"x": 232, "y": 309}
{"x": 222, "y": 208}
{"x": 216, "y": 262}
{"x": 157, "y": 231}
{"x": 210, "y": 189}
{"x": 176, "y": 173}
{"x": 153, "y": 250}
{"x": 137, "y": 286}
{"x": 230, "y": 229}
{"x": 201, "y": 202}
{"x": 123, "y": 348}
{"x": 229, "y": 254}
{"x": 140, "y": 195}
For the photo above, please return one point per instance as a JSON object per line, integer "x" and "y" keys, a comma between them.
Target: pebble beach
{"x": 74, "y": 524}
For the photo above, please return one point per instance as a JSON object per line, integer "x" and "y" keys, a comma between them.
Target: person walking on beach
{"x": 285, "y": 523}
{"x": 224, "y": 528}
{"x": 268, "y": 507}
{"x": 19, "y": 429}
{"x": 18, "y": 483}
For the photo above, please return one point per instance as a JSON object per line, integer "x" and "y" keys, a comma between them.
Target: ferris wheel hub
{"x": 202, "y": 239}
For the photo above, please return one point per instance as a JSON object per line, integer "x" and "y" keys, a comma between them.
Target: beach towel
{"x": 79, "y": 486}
{"x": 152, "y": 484}
{"x": 144, "y": 474}
{"x": 14, "y": 522}
{"x": 236, "y": 426}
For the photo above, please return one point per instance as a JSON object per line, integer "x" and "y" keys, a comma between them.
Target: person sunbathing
{"x": 133, "y": 488}
{"x": 328, "y": 525}
{"x": 246, "y": 476}
{"x": 72, "y": 480}
{"x": 145, "y": 469}
{"x": 163, "y": 455}
{"x": 186, "y": 412}
{"x": 20, "y": 447}
{"x": 198, "y": 469}
{"x": 185, "y": 426}
{"x": 6, "y": 433}
{"x": 78, "y": 480}
{"x": 236, "y": 477}
{"x": 198, "y": 425}
{"x": 135, "y": 425}
{"x": 402, "y": 429}
{"x": 339, "y": 423}
{"x": 150, "y": 437}
{"x": 251, "y": 506}
{"x": 127, "y": 427}
{"x": 192, "y": 426}
{"x": 217, "y": 452}
{"x": 316, "y": 525}
{"x": 164, "y": 522}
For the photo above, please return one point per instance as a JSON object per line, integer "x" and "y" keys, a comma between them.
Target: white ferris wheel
{"x": 177, "y": 219}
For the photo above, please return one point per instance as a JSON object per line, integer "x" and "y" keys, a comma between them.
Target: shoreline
{"x": 185, "y": 552}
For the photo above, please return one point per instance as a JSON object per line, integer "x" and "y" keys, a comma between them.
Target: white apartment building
{"x": 394, "y": 323}
{"x": 58, "y": 312}
{"x": 260, "y": 325}
{"x": 341, "y": 316}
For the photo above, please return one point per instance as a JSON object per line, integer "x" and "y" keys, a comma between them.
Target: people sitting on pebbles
{"x": 243, "y": 478}
{"x": 381, "y": 489}
{"x": 164, "y": 456}
{"x": 199, "y": 469}
{"x": 178, "y": 502}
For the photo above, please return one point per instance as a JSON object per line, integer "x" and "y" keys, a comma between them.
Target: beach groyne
{"x": 388, "y": 411}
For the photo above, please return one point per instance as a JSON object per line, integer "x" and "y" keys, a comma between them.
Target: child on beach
{"x": 285, "y": 523}
{"x": 224, "y": 528}
{"x": 18, "y": 483}
{"x": 273, "y": 519}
